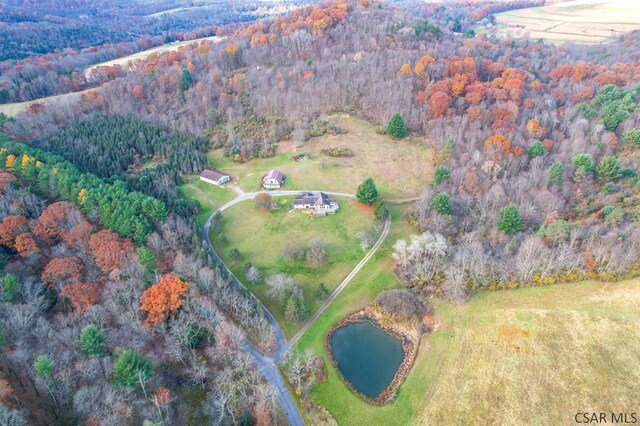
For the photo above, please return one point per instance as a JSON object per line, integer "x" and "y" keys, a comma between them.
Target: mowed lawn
{"x": 261, "y": 237}
{"x": 209, "y": 196}
{"x": 532, "y": 356}
{"x": 333, "y": 394}
{"x": 401, "y": 169}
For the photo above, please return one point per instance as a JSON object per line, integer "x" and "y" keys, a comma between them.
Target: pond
{"x": 366, "y": 356}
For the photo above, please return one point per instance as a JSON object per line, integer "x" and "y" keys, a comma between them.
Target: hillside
{"x": 489, "y": 220}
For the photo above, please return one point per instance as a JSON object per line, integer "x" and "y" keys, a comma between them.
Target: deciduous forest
{"x": 114, "y": 313}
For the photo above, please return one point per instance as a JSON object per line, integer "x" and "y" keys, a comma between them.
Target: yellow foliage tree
{"x": 231, "y": 49}
{"x": 405, "y": 70}
{"x": 11, "y": 161}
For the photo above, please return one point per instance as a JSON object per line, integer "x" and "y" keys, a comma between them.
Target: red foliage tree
{"x": 439, "y": 103}
{"x": 79, "y": 235}
{"x": 25, "y": 244}
{"x": 109, "y": 250}
{"x": 10, "y": 227}
{"x": 62, "y": 269}
{"x": 55, "y": 220}
{"x": 81, "y": 295}
{"x": 163, "y": 298}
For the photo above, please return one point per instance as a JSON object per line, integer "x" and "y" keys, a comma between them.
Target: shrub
{"x": 338, "y": 152}
{"x": 440, "y": 175}
{"x": 441, "y": 203}
{"x": 293, "y": 252}
{"x": 510, "y": 220}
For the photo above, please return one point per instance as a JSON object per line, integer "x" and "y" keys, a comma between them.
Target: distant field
{"x": 62, "y": 100}
{"x": 15, "y": 108}
{"x": 400, "y": 168}
{"x": 582, "y": 21}
{"x": 127, "y": 61}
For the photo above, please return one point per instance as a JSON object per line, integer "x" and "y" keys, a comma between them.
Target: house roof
{"x": 315, "y": 199}
{"x": 212, "y": 174}
{"x": 275, "y": 174}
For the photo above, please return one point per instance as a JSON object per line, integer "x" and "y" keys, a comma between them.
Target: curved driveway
{"x": 267, "y": 365}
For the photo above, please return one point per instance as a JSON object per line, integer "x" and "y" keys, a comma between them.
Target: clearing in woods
{"x": 400, "y": 168}
{"x": 261, "y": 237}
{"x": 581, "y": 21}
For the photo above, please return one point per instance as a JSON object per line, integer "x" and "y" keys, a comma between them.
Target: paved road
{"x": 343, "y": 284}
{"x": 266, "y": 364}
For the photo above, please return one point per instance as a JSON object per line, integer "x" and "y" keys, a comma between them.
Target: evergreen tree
{"x": 291, "y": 312}
{"x": 441, "y": 203}
{"x": 367, "y": 192}
{"x": 10, "y": 285}
{"x": 147, "y": 259}
{"x": 186, "y": 80}
{"x": 536, "y": 149}
{"x": 44, "y": 367}
{"x": 130, "y": 367}
{"x": 510, "y": 220}
{"x": 322, "y": 292}
{"x": 396, "y": 128}
{"x": 92, "y": 341}
{"x": 381, "y": 211}
{"x": 556, "y": 175}
{"x": 609, "y": 169}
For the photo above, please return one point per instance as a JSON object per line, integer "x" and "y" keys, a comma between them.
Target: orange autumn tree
{"x": 164, "y": 298}
{"x": 10, "y": 227}
{"x": 498, "y": 141}
{"x": 534, "y": 128}
{"x": 405, "y": 70}
{"x": 25, "y": 244}
{"x": 81, "y": 295}
{"x": 439, "y": 103}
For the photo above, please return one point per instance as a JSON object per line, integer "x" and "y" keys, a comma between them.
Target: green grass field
{"x": 261, "y": 237}
{"x": 401, "y": 169}
{"x": 333, "y": 394}
{"x": 534, "y": 356}
{"x": 210, "y": 196}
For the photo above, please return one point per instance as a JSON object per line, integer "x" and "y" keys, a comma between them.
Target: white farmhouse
{"x": 273, "y": 180}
